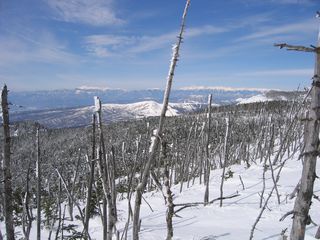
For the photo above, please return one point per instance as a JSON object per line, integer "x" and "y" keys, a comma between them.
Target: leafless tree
{"x": 8, "y": 209}
{"x": 311, "y": 140}
{"x": 154, "y": 147}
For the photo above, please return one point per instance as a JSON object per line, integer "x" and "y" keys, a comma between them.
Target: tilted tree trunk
{"x": 8, "y": 209}
{"x": 154, "y": 147}
{"x": 311, "y": 137}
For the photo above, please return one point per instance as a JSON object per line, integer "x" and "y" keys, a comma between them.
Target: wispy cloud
{"x": 294, "y": 2}
{"x": 284, "y": 2}
{"x": 306, "y": 27}
{"x": 93, "y": 12}
{"x": 107, "y": 45}
{"x": 25, "y": 49}
{"x": 114, "y": 45}
{"x": 304, "y": 72}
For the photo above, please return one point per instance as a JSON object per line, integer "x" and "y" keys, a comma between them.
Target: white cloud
{"x": 304, "y": 72}
{"x": 204, "y": 30}
{"x": 93, "y": 12}
{"x": 113, "y": 45}
{"x": 284, "y": 2}
{"x": 46, "y": 49}
{"x": 108, "y": 40}
{"x": 306, "y": 27}
{"x": 301, "y": 2}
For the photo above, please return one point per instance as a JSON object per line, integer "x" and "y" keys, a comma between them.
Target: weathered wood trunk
{"x": 38, "y": 172}
{"x": 311, "y": 138}
{"x": 167, "y": 191}
{"x": 91, "y": 177}
{"x": 27, "y": 219}
{"x": 106, "y": 174}
{"x": 225, "y": 160}
{"x": 207, "y": 165}
{"x": 7, "y": 181}
{"x": 154, "y": 147}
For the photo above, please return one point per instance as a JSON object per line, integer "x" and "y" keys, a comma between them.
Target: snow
{"x": 232, "y": 221}
{"x": 141, "y": 109}
{"x": 153, "y": 138}
{"x": 256, "y": 98}
{"x": 97, "y": 104}
{"x": 90, "y": 88}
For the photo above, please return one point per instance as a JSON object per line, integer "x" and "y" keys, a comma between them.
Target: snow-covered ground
{"x": 232, "y": 221}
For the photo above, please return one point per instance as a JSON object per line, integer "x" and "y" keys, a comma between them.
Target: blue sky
{"x": 62, "y": 44}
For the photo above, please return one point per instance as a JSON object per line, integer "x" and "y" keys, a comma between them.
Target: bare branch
{"x": 295, "y": 48}
{"x": 186, "y": 205}
{"x": 286, "y": 215}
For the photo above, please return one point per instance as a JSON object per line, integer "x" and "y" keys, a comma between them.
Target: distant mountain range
{"x": 82, "y": 116}
{"x": 70, "y": 108}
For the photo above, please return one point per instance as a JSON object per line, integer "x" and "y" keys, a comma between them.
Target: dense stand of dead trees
{"x": 115, "y": 163}
{"x": 180, "y": 160}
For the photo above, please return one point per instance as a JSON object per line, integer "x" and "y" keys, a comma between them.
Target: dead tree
{"x": 106, "y": 174}
{"x": 207, "y": 165}
{"x": 7, "y": 181}
{"x": 91, "y": 178}
{"x": 155, "y": 143}
{"x": 311, "y": 139}
{"x": 38, "y": 172}
{"x": 225, "y": 151}
{"x": 167, "y": 191}
{"x": 27, "y": 218}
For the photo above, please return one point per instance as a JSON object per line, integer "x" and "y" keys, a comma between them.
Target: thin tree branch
{"x": 296, "y": 48}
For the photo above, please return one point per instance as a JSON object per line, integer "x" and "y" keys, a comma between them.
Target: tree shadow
{"x": 214, "y": 237}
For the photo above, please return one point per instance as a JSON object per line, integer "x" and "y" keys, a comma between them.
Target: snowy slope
{"x": 83, "y": 96}
{"x": 256, "y": 98}
{"x": 233, "y": 221}
{"x": 72, "y": 117}
{"x": 272, "y": 96}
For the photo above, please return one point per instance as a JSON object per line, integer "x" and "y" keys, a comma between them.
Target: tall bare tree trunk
{"x": 154, "y": 147}
{"x": 91, "y": 177}
{"x": 311, "y": 138}
{"x": 207, "y": 165}
{"x": 106, "y": 174}
{"x": 225, "y": 162}
{"x": 8, "y": 209}
{"x": 38, "y": 172}
{"x": 167, "y": 191}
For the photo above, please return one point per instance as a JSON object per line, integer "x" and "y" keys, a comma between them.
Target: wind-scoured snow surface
{"x": 232, "y": 221}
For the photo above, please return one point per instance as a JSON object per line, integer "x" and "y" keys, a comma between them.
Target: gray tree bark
{"x": 91, "y": 178}
{"x": 38, "y": 172}
{"x": 311, "y": 138}
{"x": 146, "y": 171}
{"x": 8, "y": 209}
{"x": 207, "y": 165}
{"x": 225, "y": 162}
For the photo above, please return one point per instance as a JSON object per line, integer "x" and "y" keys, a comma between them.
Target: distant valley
{"x": 71, "y": 108}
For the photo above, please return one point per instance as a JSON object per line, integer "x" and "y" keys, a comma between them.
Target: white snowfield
{"x": 233, "y": 221}
{"x": 141, "y": 109}
{"x": 256, "y": 98}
